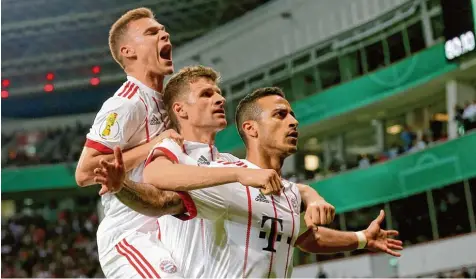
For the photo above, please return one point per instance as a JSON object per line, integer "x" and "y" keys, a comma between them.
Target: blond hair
{"x": 179, "y": 85}
{"x": 119, "y": 29}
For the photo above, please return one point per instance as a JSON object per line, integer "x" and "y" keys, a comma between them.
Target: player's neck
{"x": 264, "y": 159}
{"x": 153, "y": 81}
{"x": 198, "y": 135}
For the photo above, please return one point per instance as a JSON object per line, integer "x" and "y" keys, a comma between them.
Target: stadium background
{"x": 384, "y": 91}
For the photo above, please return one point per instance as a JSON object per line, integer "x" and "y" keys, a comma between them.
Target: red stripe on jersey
{"x": 133, "y": 256}
{"x": 159, "y": 234}
{"x": 131, "y": 87}
{"x": 146, "y": 262}
{"x": 189, "y": 205}
{"x": 203, "y": 236}
{"x": 119, "y": 250}
{"x": 125, "y": 88}
{"x": 146, "y": 120}
{"x": 248, "y": 229}
{"x": 169, "y": 154}
{"x": 98, "y": 146}
{"x": 274, "y": 237}
{"x": 292, "y": 235}
{"x": 134, "y": 91}
{"x": 211, "y": 151}
{"x": 158, "y": 108}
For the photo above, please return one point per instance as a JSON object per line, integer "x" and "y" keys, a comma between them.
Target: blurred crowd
{"x": 50, "y": 243}
{"x": 63, "y": 144}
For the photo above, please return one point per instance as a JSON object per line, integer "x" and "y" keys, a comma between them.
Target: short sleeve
{"x": 208, "y": 203}
{"x": 172, "y": 151}
{"x": 115, "y": 124}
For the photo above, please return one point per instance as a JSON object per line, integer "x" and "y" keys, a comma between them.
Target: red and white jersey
{"x": 133, "y": 116}
{"x": 245, "y": 234}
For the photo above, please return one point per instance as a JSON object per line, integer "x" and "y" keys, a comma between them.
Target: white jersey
{"x": 133, "y": 116}
{"x": 245, "y": 234}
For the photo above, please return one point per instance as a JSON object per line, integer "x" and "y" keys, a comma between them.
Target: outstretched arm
{"x": 331, "y": 241}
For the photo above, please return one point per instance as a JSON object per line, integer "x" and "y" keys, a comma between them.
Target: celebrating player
{"x": 132, "y": 119}
{"x": 250, "y": 234}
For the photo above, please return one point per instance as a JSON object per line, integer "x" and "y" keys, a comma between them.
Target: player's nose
{"x": 220, "y": 101}
{"x": 164, "y": 36}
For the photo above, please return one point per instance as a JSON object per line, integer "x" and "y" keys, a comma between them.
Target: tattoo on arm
{"x": 149, "y": 200}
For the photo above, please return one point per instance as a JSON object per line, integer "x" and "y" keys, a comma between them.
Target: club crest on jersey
{"x": 110, "y": 127}
{"x": 168, "y": 266}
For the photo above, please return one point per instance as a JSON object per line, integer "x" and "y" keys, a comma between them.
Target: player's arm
{"x": 115, "y": 123}
{"x": 141, "y": 197}
{"x": 164, "y": 172}
{"x": 90, "y": 159}
{"x": 154, "y": 203}
{"x": 332, "y": 241}
{"x": 318, "y": 210}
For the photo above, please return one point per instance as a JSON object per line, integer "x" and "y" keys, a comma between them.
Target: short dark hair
{"x": 248, "y": 109}
{"x": 179, "y": 84}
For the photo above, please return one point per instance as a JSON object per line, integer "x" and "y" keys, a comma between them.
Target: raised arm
{"x": 332, "y": 241}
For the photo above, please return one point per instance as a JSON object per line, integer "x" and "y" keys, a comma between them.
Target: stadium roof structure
{"x": 67, "y": 37}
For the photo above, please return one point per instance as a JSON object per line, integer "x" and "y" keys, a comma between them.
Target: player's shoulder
{"x": 227, "y": 157}
{"x": 127, "y": 96}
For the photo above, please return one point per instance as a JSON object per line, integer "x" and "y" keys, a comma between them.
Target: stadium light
{"x": 5, "y": 82}
{"x": 50, "y": 76}
{"x": 94, "y": 81}
{"x": 5, "y": 94}
{"x": 48, "y": 87}
{"x": 96, "y": 69}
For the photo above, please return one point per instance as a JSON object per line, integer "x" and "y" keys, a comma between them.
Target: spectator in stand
{"x": 394, "y": 151}
{"x": 407, "y": 137}
{"x": 364, "y": 161}
{"x": 469, "y": 116}
{"x": 419, "y": 144}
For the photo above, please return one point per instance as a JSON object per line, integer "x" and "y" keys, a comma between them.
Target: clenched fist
{"x": 266, "y": 179}
{"x": 319, "y": 213}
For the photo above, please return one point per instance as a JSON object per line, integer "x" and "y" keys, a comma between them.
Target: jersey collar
{"x": 144, "y": 88}
{"x": 193, "y": 145}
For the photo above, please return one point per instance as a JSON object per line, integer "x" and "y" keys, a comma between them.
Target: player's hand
{"x": 111, "y": 175}
{"x": 378, "y": 240}
{"x": 169, "y": 134}
{"x": 319, "y": 213}
{"x": 266, "y": 179}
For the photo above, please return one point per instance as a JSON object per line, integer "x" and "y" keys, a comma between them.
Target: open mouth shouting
{"x": 166, "y": 53}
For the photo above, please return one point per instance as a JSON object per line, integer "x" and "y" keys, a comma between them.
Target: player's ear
{"x": 128, "y": 51}
{"x": 179, "y": 110}
{"x": 250, "y": 128}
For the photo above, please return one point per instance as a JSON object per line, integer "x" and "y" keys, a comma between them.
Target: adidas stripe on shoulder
{"x": 128, "y": 90}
